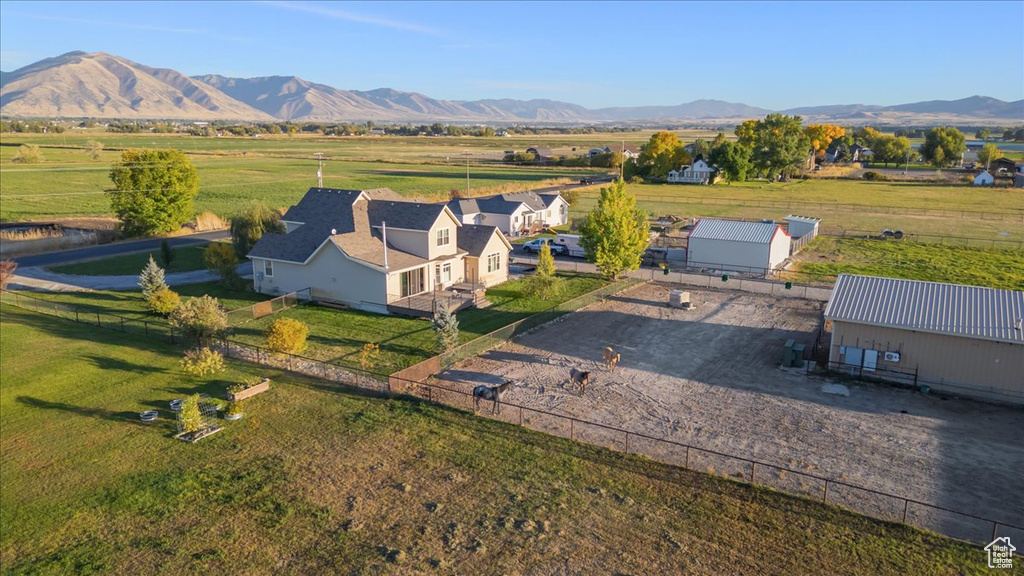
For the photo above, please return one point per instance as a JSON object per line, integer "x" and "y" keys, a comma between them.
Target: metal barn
{"x": 737, "y": 246}
{"x": 965, "y": 340}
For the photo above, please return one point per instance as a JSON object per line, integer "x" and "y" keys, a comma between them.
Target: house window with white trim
{"x": 493, "y": 262}
{"x": 443, "y": 238}
{"x": 268, "y": 268}
{"x": 446, "y": 273}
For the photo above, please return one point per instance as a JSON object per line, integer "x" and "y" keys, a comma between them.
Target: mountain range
{"x": 100, "y": 85}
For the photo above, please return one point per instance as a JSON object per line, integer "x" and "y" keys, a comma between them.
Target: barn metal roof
{"x": 953, "y": 309}
{"x": 735, "y": 230}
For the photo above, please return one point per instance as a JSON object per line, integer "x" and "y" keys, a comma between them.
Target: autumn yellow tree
{"x": 663, "y": 152}
{"x": 745, "y": 132}
{"x": 821, "y": 135}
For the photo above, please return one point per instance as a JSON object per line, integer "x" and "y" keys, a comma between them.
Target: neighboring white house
{"x": 736, "y": 246}
{"x": 514, "y": 214}
{"x": 335, "y": 246}
{"x": 984, "y": 179}
{"x": 628, "y": 152}
{"x": 700, "y": 172}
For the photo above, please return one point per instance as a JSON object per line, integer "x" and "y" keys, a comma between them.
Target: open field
{"x": 826, "y": 257}
{"x": 711, "y": 378}
{"x": 316, "y": 478}
{"x": 186, "y": 259}
{"x": 844, "y": 204}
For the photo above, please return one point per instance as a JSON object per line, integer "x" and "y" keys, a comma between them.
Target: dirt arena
{"x": 710, "y": 377}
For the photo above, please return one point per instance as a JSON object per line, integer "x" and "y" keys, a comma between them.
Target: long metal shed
{"x": 966, "y": 340}
{"x": 737, "y": 246}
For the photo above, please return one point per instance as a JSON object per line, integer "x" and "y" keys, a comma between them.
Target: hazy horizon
{"x": 769, "y": 55}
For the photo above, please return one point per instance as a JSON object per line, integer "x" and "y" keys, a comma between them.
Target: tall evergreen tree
{"x": 152, "y": 278}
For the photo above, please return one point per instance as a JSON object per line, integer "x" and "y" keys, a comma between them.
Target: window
{"x": 549, "y": 213}
{"x": 268, "y": 268}
{"x": 493, "y": 262}
{"x": 443, "y": 239}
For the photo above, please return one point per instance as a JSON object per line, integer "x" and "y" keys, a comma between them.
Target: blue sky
{"x": 773, "y": 55}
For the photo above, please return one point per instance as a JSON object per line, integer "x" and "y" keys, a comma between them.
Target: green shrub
{"x": 287, "y": 335}
{"x": 200, "y": 362}
{"x": 446, "y": 325}
{"x": 163, "y": 301}
{"x": 220, "y": 258}
{"x": 874, "y": 176}
{"x": 200, "y": 318}
{"x": 191, "y": 417}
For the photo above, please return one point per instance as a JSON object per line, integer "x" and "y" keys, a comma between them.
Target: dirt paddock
{"x": 711, "y": 377}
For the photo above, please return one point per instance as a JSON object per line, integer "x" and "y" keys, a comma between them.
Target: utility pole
{"x": 622, "y": 159}
{"x": 319, "y": 169}
{"x": 467, "y": 172}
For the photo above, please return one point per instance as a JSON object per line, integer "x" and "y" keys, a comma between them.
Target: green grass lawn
{"x": 130, "y": 304}
{"x": 186, "y": 259}
{"x": 827, "y": 257}
{"x": 317, "y": 478}
{"x": 338, "y": 335}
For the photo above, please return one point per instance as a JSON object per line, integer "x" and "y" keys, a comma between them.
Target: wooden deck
{"x": 459, "y": 297}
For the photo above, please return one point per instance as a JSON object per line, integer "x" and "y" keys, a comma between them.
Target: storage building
{"x": 965, "y": 340}
{"x": 737, "y": 246}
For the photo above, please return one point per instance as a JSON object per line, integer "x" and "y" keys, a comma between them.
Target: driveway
{"x": 37, "y": 278}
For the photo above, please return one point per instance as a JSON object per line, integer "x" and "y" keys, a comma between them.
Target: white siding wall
{"x": 411, "y": 241}
{"x": 780, "y": 249}
{"x": 436, "y": 251}
{"x": 332, "y": 276}
{"x": 477, "y": 268}
{"x": 723, "y": 254}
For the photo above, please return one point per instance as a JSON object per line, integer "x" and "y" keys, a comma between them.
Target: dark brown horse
{"x": 579, "y": 378}
{"x": 483, "y": 392}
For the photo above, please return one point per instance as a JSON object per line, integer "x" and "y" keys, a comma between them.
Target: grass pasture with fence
{"x": 414, "y": 486}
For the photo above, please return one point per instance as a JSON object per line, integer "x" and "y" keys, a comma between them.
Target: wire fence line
{"x": 1008, "y": 214}
{"x": 268, "y": 307}
{"x": 871, "y": 502}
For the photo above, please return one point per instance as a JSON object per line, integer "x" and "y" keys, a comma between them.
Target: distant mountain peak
{"x": 98, "y": 84}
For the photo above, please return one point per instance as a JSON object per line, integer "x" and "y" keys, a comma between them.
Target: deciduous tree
{"x": 200, "y": 319}
{"x": 94, "y": 147}
{"x": 616, "y": 232}
{"x": 28, "y": 154}
{"x": 249, "y": 225}
{"x": 987, "y": 154}
{"x": 780, "y": 145}
{"x": 663, "y": 152}
{"x": 153, "y": 191}
{"x": 732, "y": 160}
{"x": 943, "y": 146}
{"x": 822, "y": 135}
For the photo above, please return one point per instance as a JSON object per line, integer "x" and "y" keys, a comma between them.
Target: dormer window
{"x": 443, "y": 237}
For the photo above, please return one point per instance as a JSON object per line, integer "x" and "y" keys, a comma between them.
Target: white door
{"x": 870, "y": 360}
{"x": 854, "y": 359}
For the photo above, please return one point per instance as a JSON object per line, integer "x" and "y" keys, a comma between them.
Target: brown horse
{"x": 611, "y": 358}
{"x": 579, "y": 378}
{"x": 483, "y": 392}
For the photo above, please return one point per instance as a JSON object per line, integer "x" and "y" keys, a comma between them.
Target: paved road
{"x": 76, "y": 254}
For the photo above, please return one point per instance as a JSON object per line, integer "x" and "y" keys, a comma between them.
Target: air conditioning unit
{"x": 892, "y": 356}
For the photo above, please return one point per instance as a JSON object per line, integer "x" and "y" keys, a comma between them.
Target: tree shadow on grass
{"x": 106, "y": 363}
{"x": 126, "y": 416}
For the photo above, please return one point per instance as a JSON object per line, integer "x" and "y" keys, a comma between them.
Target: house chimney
{"x": 384, "y": 233}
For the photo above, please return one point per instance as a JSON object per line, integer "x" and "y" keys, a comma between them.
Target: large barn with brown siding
{"x": 963, "y": 340}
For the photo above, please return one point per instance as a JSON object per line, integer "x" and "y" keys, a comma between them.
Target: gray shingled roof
{"x": 473, "y": 239}
{"x": 502, "y": 203}
{"x": 407, "y": 215}
{"x": 734, "y": 230}
{"x": 953, "y": 309}
{"x": 330, "y": 214}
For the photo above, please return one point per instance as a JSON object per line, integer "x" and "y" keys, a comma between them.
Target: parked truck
{"x": 571, "y": 242}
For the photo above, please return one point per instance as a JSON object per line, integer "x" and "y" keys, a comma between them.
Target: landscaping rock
{"x": 404, "y": 487}
{"x": 433, "y": 506}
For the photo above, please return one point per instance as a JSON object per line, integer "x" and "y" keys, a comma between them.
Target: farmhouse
{"x": 542, "y": 154}
{"x": 628, "y": 152}
{"x": 959, "y": 339}
{"x": 737, "y": 246}
{"x": 368, "y": 249}
{"x": 700, "y": 172}
{"x": 984, "y": 179}
{"x": 514, "y": 214}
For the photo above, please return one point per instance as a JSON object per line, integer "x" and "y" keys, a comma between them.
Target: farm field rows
{"x": 318, "y": 478}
